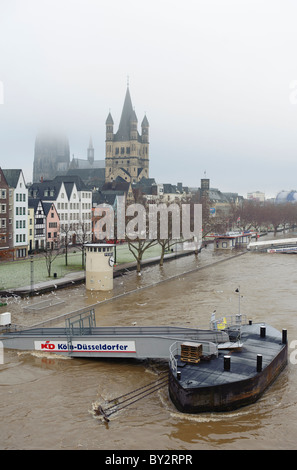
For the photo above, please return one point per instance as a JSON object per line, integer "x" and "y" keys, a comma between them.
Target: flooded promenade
{"x": 48, "y": 401}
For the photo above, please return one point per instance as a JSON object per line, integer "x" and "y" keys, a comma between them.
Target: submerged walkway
{"x": 79, "y": 277}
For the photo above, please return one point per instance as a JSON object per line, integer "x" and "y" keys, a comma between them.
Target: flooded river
{"x": 47, "y": 401}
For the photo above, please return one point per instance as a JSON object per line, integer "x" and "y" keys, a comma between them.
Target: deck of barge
{"x": 219, "y": 385}
{"x": 243, "y": 360}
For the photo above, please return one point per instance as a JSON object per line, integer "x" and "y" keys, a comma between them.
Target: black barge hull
{"x": 207, "y": 387}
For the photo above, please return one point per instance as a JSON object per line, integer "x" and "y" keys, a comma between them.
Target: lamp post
{"x": 32, "y": 273}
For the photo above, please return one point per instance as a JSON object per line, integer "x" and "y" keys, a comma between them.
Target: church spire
{"x": 123, "y": 133}
{"x": 91, "y": 152}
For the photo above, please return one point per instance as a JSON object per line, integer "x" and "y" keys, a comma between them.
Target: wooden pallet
{"x": 191, "y": 352}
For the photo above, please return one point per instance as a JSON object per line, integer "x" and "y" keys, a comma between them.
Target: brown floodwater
{"x": 47, "y": 402}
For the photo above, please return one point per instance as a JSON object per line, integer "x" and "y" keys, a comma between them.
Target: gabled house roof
{"x": 34, "y": 203}
{"x": 37, "y": 190}
{"x": 12, "y": 177}
{"x": 47, "y": 207}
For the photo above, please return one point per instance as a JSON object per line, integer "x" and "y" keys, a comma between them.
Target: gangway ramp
{"x": 265, "y": 244}
{"x": 138, "y": 342}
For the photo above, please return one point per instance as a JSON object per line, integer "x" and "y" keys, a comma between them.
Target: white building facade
{"x": 18, "y": 211}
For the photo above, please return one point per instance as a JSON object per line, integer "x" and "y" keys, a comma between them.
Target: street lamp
{"x": 32, "y": 272}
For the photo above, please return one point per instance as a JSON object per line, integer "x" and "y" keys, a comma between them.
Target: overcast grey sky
{"x": 212, "y": 76}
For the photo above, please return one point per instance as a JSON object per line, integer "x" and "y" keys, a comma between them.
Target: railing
{"x": 228, "y": 321}
{"x": 81, "y": 324}
{"x": 208, "y": 349}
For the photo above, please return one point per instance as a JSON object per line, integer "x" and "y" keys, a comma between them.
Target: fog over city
{"x": 217, "y": 80}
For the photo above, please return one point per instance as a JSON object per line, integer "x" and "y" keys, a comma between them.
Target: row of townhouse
{"x": 43, "y": 215}
{"x": 73, "y": 202}
{"x": 44, "y": 225}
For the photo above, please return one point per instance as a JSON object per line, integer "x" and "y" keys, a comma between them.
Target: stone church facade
{"x": 127, "y": 151}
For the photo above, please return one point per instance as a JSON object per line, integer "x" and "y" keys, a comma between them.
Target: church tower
{"x": 91, "y": 152}
{"x": 127, "y": 151}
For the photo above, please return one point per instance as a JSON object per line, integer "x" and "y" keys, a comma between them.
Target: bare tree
{"x": 50, "y": 254}
{"x": 66, "y": 231}
{"x": 82, "y": 232}
{"x": 166, "y": 242}
{"x": 136, "y": 230}
{"x": 137, "y": 248}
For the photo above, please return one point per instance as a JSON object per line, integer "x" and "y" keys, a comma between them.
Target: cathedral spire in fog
{"x": 51, "y": 156}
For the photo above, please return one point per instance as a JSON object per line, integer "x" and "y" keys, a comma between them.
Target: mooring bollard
{"x": 250, "y": 322}
{"x": 262, "y": 331}
{"x": 259, "y": 362}
{"x": 227, "y": 362}
{"x": 178, "y": 375}
{"x": 284, "y": 336}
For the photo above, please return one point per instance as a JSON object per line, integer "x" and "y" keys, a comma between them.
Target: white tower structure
{"x": 99, "y": 266}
